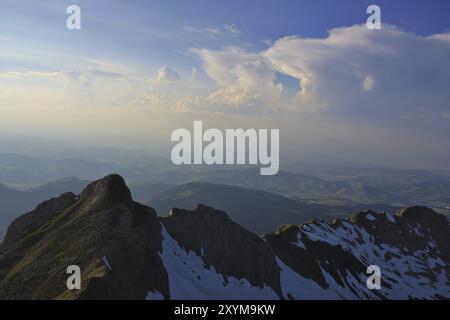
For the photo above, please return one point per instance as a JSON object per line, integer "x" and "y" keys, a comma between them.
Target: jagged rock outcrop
{"x": 224, "y": 245}
{"x": 126, "y": 252}
{"x": 103, "y": 227}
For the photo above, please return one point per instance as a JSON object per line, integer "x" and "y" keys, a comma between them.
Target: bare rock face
{"x": 114, "y": 240}
{"x": 224, "y": 245}
{"x": 107, "y": 191}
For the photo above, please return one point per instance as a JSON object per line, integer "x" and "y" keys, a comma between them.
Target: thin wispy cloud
{"x": 214, "y": 31}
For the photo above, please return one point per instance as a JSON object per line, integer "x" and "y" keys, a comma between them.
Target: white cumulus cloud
{"x": 354, "y": 71}
{"x": 246, "y": 83}
{"x": 167, "y": 74}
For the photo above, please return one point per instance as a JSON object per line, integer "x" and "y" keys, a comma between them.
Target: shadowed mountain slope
{"x": 126, "y": 252}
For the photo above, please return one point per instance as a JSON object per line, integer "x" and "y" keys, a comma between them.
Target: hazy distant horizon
{"x": 65, "y": 149}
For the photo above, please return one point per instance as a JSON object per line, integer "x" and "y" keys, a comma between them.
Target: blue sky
{"x": 155, "y": 30}
{"x": 289, "y": 64}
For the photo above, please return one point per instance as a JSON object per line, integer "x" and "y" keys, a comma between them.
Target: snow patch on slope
{"x": 390, "y": 217}
{"x": 405, "y": 274}
{"x": 189, "y": 278}
{"x": 295, "y": 286}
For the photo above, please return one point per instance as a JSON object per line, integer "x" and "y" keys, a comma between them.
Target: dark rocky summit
{"x": 102, "y": 222}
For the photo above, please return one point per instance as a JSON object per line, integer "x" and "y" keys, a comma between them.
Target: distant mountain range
{"x": 372, "y": 187}
{"x": 325, "y": 192}
{"x": 312, "y": 183}
{"x": 23, "y": 171}
{"x": 258, "y": 211}
{"x": 145, "y": 191}
{"x": 126, "y": 252}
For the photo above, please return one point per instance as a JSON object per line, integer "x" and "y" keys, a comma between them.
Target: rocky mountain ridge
{"x": 126, "y": 252}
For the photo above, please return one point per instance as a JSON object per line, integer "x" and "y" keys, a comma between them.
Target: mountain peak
{"x": 107, "y": 225}
{"x": 421, "y": 214}
{"x": 110, "y": 189}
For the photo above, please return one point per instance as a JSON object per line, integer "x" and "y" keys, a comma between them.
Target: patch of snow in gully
{"x": 292, "y": 284}
{"x": 189, "y": 278}
{"x": 390, "y": 217}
